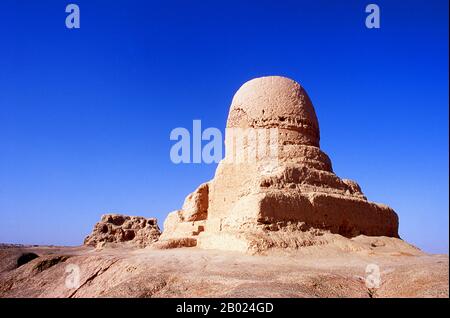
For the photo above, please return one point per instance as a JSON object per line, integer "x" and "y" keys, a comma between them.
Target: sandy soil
{"x": 324, "y": 271}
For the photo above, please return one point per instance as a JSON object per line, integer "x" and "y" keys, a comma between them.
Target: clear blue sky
{"x": 85, "y": 115}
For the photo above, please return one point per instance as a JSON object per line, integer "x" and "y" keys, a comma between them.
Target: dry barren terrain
{"x": 316, "y": 271}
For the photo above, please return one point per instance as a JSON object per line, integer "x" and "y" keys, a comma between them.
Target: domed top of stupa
{"x": 274, "y": 102}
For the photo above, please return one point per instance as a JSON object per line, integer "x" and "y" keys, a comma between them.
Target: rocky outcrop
{"x": 275, "y": 183}
{"x": 195, "y": 207}
{"x": 182, "y": 227}
{"x": 116, "y": 228}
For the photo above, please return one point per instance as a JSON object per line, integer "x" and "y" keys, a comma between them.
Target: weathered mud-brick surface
{"x": 116, "y": 228}
{"x": 285, "y": 201}
{"x": 182, "y": 227}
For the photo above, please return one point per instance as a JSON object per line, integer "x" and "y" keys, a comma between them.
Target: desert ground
{"x": 335, "y": 270}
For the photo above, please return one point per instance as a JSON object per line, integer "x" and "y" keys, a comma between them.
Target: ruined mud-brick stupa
{"x": 287, "y": 200}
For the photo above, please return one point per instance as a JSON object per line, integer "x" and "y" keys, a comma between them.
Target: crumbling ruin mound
{"x": 116, "y": 228}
